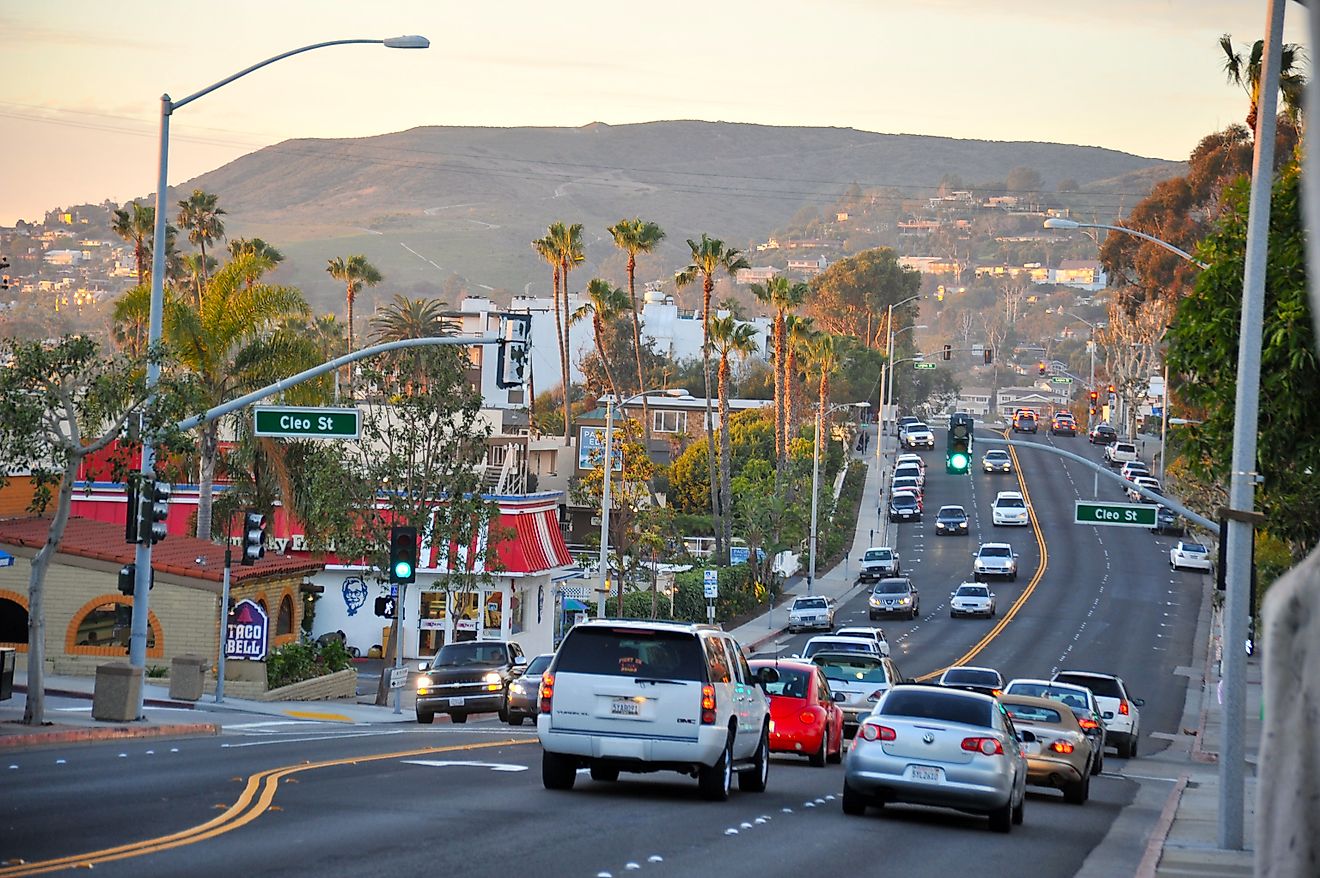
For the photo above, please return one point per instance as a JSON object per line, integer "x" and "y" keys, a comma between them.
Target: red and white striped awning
{"x": 530, "y": 542}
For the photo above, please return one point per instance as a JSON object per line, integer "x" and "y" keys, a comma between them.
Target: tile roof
{"x": 177, "y": 555}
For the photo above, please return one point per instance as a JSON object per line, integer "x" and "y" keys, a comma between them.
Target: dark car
{"x": 1168, "y": 522}
{"x": 987, "y": 681}
{"x": 951, "y": 520}
{"x": 470, "y": 677}
{"x": 524, "y": 691}
{"x": 1103, "y": 434}
{"x": 904, "y": 506}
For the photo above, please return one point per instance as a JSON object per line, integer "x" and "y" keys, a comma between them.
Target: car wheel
{"x": 503, "y": 714}
{"x": 1012, "y": 577}
{"x": 1077, "y": 793}
{"x": 913, "y": 614}
{"x": 873, "y": 616}
{"x": 1099, "y": 764}
{"x": 952, "y": 614}
{"x": 425, "y": 717}
{"x": 557, "y": 772}
{"x": 1019, "y": 813}
{"x": 1001, "y": 819}
{"x": 715, "y": 780}
{"x": 458, "y": 718}
{"x": 837, "y": 756}
{"x": 604, "y": 773}
{"x": 819, "y": 758}
{"x": 1128, "y": 749}
{"x": 854, "y": 803}
{"x": 516, "y": 719}
{"x": 753, "y": 780}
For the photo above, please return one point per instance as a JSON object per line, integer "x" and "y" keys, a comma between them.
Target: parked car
{"x": 926, "y": 745}
{"x": 805, "y": 718}
{"x": 1119, "y": 453}
{"x": 1059, "y": 755}
{"x": 1134, "y": 468}
{"x": 987, "y": 681}
{"x": 524, "y": 691}
{"x": 861, "y": 680}
{"x": 1079, "y": 699}
{"x": 906, "y": 484}
{"x": 994, "y": 559}
{"x": 997, "y": 461}
{"x": 878, "y": 562}
{"x": 971, "y": 599}
{"x": 640, "y": 696}
{"x": 811, "y": 612}
{"x": 866, "y": 632}
{"x": 951, "y": 520}
{"x": 1168, "y": 522}
{"x": 910, "y": 471}
{"x": 1149, "y": 483}
{"x": 1118, "y": 709}
{"x": 904, "y": 506}
{"x": 910, "y": 458}
{"x": 1190, "y": 555}
{"x": 894, "y": 597}
{"x": 918, "y": 436}
{"x": 1010, "y": 508}
{"x": 1103, "y": 434}
{"x": 469, "y": 677}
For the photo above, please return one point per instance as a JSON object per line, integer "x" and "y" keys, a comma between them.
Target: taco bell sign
{"x": 247, "y": 634}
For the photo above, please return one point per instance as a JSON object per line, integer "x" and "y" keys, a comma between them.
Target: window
{"x": 13, "y": 622}
{"x": 668, "y": 422}
{"x": 284, "y": 622}
{"x": 938, "y": 706}
{"x": 717, "y": 661}
{"x": 631, "y": 652}
{"x": 108, "y": 624}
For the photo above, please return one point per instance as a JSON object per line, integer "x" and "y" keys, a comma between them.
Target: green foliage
{"x": 751, "y": 435}
{"x": 304, "y": 660}
{"x": 838, "y": 536}
{"x": 156, "y": 672}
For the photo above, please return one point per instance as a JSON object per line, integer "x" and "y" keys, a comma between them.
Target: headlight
{"x": 902, "y": 601}
{"x": 423, "y": 682}
{"x": 939, "y": 525}
{"x": 874, "y": 601}
{"x": 493, "y": 677}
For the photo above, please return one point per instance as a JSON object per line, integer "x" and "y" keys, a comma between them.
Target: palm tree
{"x": 234, "y": 343}
{"x": 565, "y": 243}
{"x": 196, "y": 268}
{"x": 800, "y": 331}
{"x": 410, "y": 318}
{"x": 637, "y": 236}
{"x": 1247, "y": 74}
{"x": 267, "y": 257}
{"x": 200, "y": 215}
{"x": 545, "y": 248}
{"x": 604, "y": 304}
{"x": 827, "y": 354}
{"x": 356, "y": 272}
{"x": 783, "y": 296}
{"x": 130, "y": 320}
{"x": 708, "y": 257}
{"x": 136, "y": 224}
{"x": 729, "y": 336}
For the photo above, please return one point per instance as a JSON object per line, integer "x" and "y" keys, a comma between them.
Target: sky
{"x": 80, "y": 80}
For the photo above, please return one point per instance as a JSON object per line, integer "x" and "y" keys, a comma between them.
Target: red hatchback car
{"x": 806, "y": 719}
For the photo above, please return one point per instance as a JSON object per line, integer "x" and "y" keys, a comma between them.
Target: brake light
{"x": 547, "y": 691}
{"x": 1061, "y": 747}
{"x": 807, "y": 717}
{"x": 707, "y": 705}
{"x": 984, "y": 746}
{"x": 1123, "y": 706}
{"x": 1088, "y": 724}
{"x": 996, "y": 693}
{"x": 877, "y": 733}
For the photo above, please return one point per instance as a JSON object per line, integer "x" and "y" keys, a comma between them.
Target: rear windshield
{"x": 852, "y": 670}
{"x": 968, "y": 677}
{"x": 1102, "y": 686}
{"x": 628, "y": 652}
{"x": 473, "y": 653}
{"x": 931, "y": 704}
{"x": 1195, "y": 548}
{"x": 792, "y": 683}
{"x": 1070, "y": 697}
{"x": 539, "y": 664}
{"x": 855, "y": 644}
{"x": 891, "y": 586}
{"x": 1031, "y": 713}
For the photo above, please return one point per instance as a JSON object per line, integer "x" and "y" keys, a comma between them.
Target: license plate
{"x": 625, "y": 707}
{"x": 457, "y": 702}
{"x": 926, "y": 773}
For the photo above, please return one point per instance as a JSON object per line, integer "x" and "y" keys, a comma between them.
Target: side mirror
{"x": 766, "y": 676}
{"x": 840, "y": 696}
{"x": 1139, "y": 702}
{"x": 520, "y": 661}
{"x": 421, "y": 666}
{"x": 952, "y": 593}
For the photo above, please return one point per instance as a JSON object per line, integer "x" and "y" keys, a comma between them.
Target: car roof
{"x": 649, "y": 625}
{"x": 1097, "y": 674}
{"x": 856, "y": 631}
{"x": 952, "y": 508}
{"x": 889, "y": 549}
{"x": 971, "y": 668}
{"x": 910, "y": 493}
{"x": 1009, "y": 494}
{"x": 795, "y": 664}
{"x": 1051, "y": 683}
{"x": 974, "y": 585}
{"x": 1034, "y": 701}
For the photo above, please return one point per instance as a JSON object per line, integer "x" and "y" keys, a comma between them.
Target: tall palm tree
{"x": 800, "y": 330}
{"x": 605, "y": 304}
{"x": 356, "y": 272}
{"x": 729, "y": 336}
{"x": 200, "y": 216}
{"x": 136, "y": 224}
{"x": 827, "y": 354}
{"x": 566, "y": 243}
{"x": 1247, "y": 74}
{"x": 234, "y": 343}
{"x": 267, "y": 257}
{"x": 196, "y": 267}
{"x": 783, "y": 296}
{"x": 410, "y": 318}
{"x": 545, "y": 248}
{"x": 129, "y": 320}
{"x": 632, "y": 237}
{"x": 708, "y": 257}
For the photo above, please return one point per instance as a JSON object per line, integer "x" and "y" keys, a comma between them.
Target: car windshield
{"x": 953, "y": 512}
{"x": 1031, "y": 713}
{"x": 973, "y": 591}
{"x": 933, "y": 704}
{"x": 809, "y": 604}
{"x": 841, "y": 645}
{"x": 852, "y": 670}
{"x": 1010, "y": 502}
{"x": 1106, "y": 687}
{"x": 891, "y": 586}
{"x": 1071, "y": 697}
{"x": 971, "y": 677}
{"x": 792, "y": 683}
{"x": 631, "y": 652}
{"x": 996, "y": 455}
{"x": 917, "y": 427}
{"x": 904, "y": 499}
{"x": 879, "y": 555}
{"x": 996, "y": 552}
{"x": 472, "y": 653}
{"x": 538, "y": 665}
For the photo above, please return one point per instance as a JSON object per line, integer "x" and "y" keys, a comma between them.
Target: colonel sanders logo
{"x": 355, "y": 594}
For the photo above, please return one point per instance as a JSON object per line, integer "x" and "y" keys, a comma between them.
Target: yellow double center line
{"x": 1026, "y": 592}
{"x": 255, "y": 800}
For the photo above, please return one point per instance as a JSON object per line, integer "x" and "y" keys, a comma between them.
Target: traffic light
{"x": 153, "y": 508}
{"x": 1111, "y": 390}
{"x": 1095, "y": 401}
{"x": 989, "y": 356}
{"x": 939, "y": 293}
{"x": 1042, "y": 367}
{"x": 958, "y": 459}
{"x": 385, "y": 607}
{"x": 403, "y": 554}
{"x": 948, "y": 352}
{"x": 128, "y": 579}
{"x": 254, "y": 538}
{"x": 511, "y": 360}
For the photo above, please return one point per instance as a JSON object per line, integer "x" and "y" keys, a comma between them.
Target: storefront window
{"x": 431, "y": 622}
{"x": 108, "y": 624}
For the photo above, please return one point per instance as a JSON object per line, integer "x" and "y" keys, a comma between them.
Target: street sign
{"x": 247, "y": 631}
{"x": 711, "y": 581}
{"x": 298, "y": 422}
{"x": 923, "y": 365}
{"x": 1061, "y": 379}
{"x": 1116, "y": 514}
{"x": 398, "y": 678}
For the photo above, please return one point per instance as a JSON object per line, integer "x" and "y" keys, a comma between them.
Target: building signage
{"x": 711, "y": 583}
{"x": 247, "y": 634}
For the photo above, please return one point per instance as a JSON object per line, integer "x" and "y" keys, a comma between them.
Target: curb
{"x": 762, "y": 641}
{"x": 1160, "y": 834}
{"x": 69, "y": 736}
{"x": 146, "y": 702}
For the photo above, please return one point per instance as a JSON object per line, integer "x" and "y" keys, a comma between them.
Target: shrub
{"x": 304, "y": 660}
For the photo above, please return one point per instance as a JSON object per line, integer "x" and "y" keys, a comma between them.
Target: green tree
{"x": 200, "y": 216}
{"x": 709, "y": 257}
{"x": 728, "y": 337}
{"x": 1245, "y": 72}
{"x": 406, "y": 318}
{"x": 265, "y": 256}
{"x": 783, "y": 297}
{"x": 136, "y": 224}
{"x": 605, "y": 305}
{"x": 636, "y": 236}
{"x": 801, "y": 330}
{"x": 545, "y": 248}
{"x": 356, "y": 273}
{"x": 852, "y": 296}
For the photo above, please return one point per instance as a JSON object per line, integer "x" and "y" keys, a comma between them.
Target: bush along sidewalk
{"x": 305, "y": 660}
{"x": 738, "y": 598}
{"x": 836, "y": 538}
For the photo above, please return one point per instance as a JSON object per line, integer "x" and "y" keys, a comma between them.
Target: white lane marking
{"x": 466, "y": 763}
{"x": 308, "y": 739}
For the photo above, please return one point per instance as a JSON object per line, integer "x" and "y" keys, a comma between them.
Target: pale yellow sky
{"x": 80, "y": 80}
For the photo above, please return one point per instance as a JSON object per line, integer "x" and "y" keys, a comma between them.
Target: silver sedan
{"x": 925, "y": 745}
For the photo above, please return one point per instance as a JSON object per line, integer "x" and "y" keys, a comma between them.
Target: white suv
{"x": 1118, "y": 710}
{"x": 624, "y": 695}
{"x": 1009, "y": 508}
{"x": 918, "y": 436}
{"x": 1119, "y": 453}
{"x": 995, "y": 559}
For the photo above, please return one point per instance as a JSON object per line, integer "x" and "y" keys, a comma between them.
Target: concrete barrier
{"x": 187, "y": 675}
{"x": 117, "y": 692}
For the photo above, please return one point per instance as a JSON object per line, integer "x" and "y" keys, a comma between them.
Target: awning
{"x": 573, "y": 604}
{"x": 6, "y": 559}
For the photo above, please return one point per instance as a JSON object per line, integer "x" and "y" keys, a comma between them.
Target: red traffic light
{"x": 1111, "y": 388}
{"x": 1094, "y": 396}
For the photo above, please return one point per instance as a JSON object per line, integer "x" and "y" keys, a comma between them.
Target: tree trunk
{"x": 716, "y": 512}
{"x": 726, "y": 445}
{"x": 599, "y": 328}
{"x": 563, "y": 354}
{"x": 206, "y": 481}
{"x": 637, "y": 352}
{"x": 781, "y": 415}
{"x": 792, "y": 396}
{"x": 34, "y": 710}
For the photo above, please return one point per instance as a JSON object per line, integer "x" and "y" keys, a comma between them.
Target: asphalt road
{"x": 274, "y": 796}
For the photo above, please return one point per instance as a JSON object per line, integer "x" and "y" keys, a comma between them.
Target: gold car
{"x": 1059, "y": 754}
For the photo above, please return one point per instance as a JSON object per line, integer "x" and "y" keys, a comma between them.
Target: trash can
{"x": 187, "y": 674}
{"x": 8, "y": 658}
{"x": 118, "y": 692}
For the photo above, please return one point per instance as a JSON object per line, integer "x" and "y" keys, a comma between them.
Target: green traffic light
{"x": 959, "y": 461}
{"x": 402, "y": 570}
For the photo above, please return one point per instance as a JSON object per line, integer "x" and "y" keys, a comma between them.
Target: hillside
{"x": 429, "y": 203}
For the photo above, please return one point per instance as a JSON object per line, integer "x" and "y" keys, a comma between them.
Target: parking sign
{"x": 712, "y": 584}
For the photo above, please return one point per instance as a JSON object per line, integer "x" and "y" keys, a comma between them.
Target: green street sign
{"x": 923, "y": 365}
{"x": 1061, "y": 379}
{"x": 298, "y": 422}
{"x": 1115, "y": 514}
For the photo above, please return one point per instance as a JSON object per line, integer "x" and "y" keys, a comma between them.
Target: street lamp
{"x": 610, "y": 405}
{"x": 1056, "y": 222}
{"x": 137, "y": 644}
{"x": 889, "y": 353}
{"x": 815, "y": 477}
{"x": 1090, "y": 344}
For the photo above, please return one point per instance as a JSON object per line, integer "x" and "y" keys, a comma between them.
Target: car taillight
{"x": 547, "y": 691}
{"x": 1061, "y": 747}
{"x": 984, "y": 746}
{"x": 1123, "y": 706}
{"x": 877, "y": 733}
{"x": 707, "y": 705}
{"x": 1088, "y": 724}
{"x": 807, "y": 717}
{"x": 997, "y": 692}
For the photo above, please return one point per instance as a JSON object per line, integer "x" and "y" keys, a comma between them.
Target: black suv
{"x": 1103, "y": 434}
{"x": 470, "y": 677}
